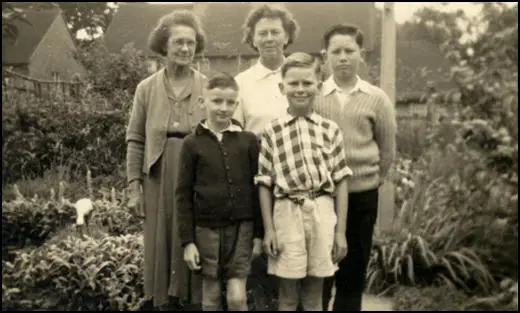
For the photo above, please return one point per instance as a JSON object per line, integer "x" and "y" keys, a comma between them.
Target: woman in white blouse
{"x": 269, "y": 29}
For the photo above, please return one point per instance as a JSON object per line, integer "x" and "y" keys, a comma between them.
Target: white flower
{"x": 83, "y": 207}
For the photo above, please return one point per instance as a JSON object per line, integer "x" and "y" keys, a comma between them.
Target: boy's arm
{"x": 266, "y": 204}
{"x": 385, "y": 129}
{"x": 340, "y": 172}
{"x": 254, "y": 152}
{"x": 264, "y": 181}
{"x": 184, "y": 194}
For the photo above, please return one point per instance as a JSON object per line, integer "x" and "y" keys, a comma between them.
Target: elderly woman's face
{"x": 181, "y": 44}
{"x": 270, "y": 37}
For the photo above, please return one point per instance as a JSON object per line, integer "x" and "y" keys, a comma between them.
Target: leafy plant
{"x": 77, "y": 274}
{"x": 40, "y": 136}
{"x": 413, "y": 263}
{"x": 441, "y": 298}
{"x": 34, "y": 221}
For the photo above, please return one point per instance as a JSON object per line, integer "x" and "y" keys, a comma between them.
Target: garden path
{"x": 371, "y": 303}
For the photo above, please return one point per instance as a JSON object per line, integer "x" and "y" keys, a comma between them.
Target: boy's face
{"x": 300, "y": 86}
{"x": 343, "y": 56}
{"x": 221, "y": 104}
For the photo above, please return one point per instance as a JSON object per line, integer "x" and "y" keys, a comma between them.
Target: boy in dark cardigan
{"x": 218, "y": 207}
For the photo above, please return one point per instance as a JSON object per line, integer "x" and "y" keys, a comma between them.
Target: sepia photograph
{"x": 260, "y": 156}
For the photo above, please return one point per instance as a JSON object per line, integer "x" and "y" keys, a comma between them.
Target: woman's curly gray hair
{"x": 159, "y": 36}
{"x": 289, "y": 23}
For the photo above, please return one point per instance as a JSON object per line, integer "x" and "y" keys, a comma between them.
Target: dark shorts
{"x": 225, "y": 252}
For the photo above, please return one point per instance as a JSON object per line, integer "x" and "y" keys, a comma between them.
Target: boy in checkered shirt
{"x": 303, "y": 190}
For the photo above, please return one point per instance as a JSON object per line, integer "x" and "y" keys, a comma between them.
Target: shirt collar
{"x": 233, "y": 127}
{"x": 289, "y": 118}
{"x": 329, "y": 86}
{"x": 261, "y": 72}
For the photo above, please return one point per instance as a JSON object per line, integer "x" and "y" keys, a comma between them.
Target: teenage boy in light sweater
{"x": 367, "y": 118}
{"x": 218, "y": 208}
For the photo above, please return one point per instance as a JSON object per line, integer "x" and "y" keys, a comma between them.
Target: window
{"x": 55, "y": 76}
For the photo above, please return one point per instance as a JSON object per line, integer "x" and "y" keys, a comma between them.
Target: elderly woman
{"x": 165, "y": 110}
{"x": 268, "y": 29}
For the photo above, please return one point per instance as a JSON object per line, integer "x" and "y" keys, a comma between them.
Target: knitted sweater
{"x": 369, "y": 128}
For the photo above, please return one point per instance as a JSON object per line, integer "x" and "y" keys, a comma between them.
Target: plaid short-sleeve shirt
{"x": 301, "y": 153}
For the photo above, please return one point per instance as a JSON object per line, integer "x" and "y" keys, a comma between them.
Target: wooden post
{"x": 388, "y": 61}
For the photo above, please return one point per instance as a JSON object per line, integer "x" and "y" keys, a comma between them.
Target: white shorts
{"x": 305, "y": 239}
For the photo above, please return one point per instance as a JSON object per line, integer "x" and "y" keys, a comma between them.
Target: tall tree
{"x": 91, "y": 17}
{"x": 10, "y": 16}
{"x": 433, "y": 25}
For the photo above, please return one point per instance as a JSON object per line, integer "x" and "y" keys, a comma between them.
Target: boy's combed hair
{"x": 343, "y": 29}
{"x": 221, "y": 80}
{"x": 301, "y": 60}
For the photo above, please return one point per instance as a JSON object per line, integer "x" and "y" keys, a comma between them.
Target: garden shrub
{"x": 76, "y": 274}
{"x": 462, "y": 193}
{"x": 40, "y": 135}
{"x": 113, "y": 75}
{"x": 438, "y": 298}
{"x": 34, "y": 221}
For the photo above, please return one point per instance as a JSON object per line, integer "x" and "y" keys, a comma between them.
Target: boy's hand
{"x": 257, "y": 248}
{"x": 271, "y": 244}
{"x": 192, "y": 257}
{"x": 339, "y": 250}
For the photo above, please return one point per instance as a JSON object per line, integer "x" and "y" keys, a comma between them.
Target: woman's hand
{"x": 134, "y": 202}
{"x": 192, "y": 257}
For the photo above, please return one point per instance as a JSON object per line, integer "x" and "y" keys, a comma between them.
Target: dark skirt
{"x": 165, "y": 272}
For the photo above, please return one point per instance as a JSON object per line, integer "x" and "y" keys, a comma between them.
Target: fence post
{"x": 388, "y": 59}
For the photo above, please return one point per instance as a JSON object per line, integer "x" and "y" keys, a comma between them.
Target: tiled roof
{"x": 417, "y": 62}
{"x": 223, "y": 21}
{"x": 133, "y": 22}
{"x": 29, "y": 36}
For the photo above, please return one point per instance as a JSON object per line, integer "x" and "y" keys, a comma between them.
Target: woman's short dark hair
{"x": 343, "y": 29}
{"x": 290, "y": 25}
{"x": 159, "y": 36}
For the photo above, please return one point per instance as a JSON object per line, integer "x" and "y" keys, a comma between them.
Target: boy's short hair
{"x": 301, "y": 60}
{"x": 221, "y": 80}
{"x": 343, "y": 29}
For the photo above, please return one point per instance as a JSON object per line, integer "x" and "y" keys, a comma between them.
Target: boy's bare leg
{"x": 211, "y": 294}
{"x": 288, "y": 294}
{"x": 236, "y": 296}
{"x": 312, "y": 288}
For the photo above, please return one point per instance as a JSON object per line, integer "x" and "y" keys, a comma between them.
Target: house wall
{"x": 232, "y": 65}
{"x": 55, "y": 54}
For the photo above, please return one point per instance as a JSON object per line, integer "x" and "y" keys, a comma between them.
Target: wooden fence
{"x": 44, "y": 89}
